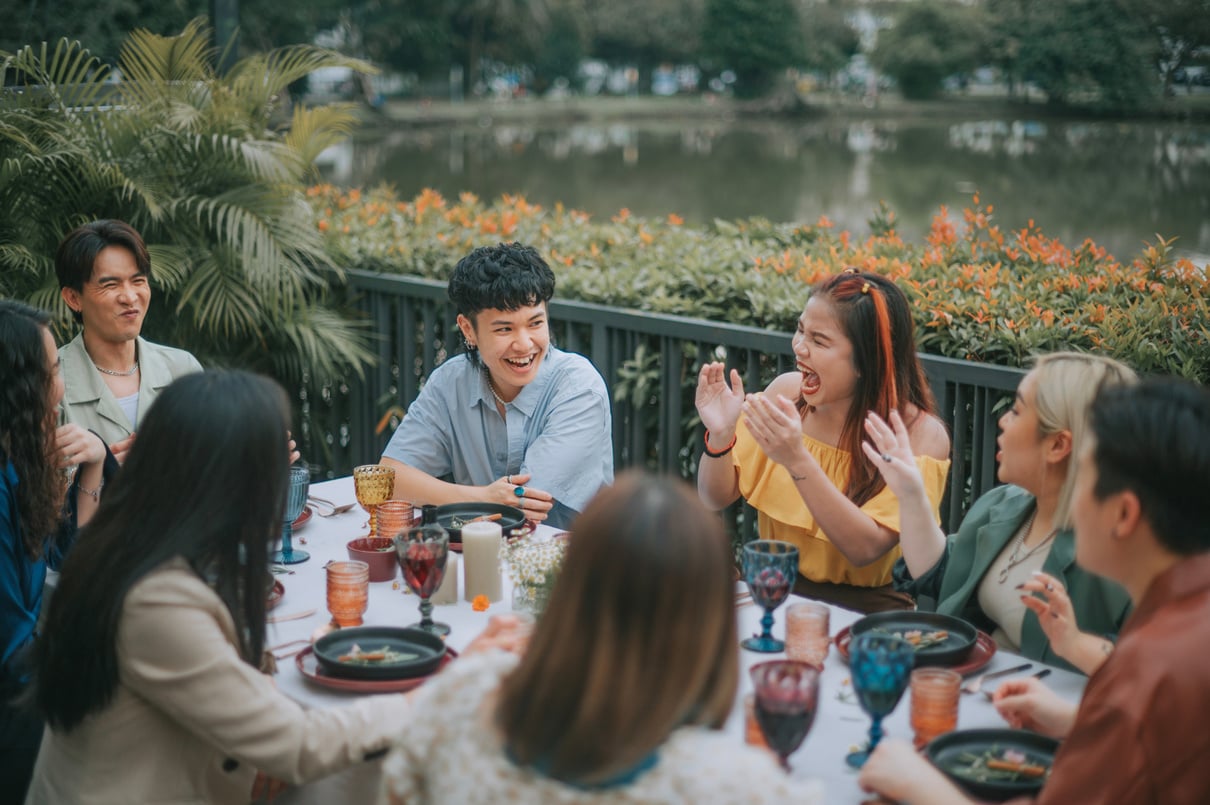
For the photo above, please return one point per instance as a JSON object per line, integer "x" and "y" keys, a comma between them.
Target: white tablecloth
{"x": 839, "y": 725}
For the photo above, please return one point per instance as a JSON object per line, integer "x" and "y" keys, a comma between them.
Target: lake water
{"x": 1119, "y": 183}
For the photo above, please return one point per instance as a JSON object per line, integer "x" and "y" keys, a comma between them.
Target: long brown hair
{"x": 875, "y": 317}
{"x": 27, "y": 422}
{"x": 638, "y": 639}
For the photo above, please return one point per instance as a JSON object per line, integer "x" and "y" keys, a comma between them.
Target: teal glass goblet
{"x": 880, "y": 666}
{"x": 770, "y": 568}
{"x": 296, "y": 501}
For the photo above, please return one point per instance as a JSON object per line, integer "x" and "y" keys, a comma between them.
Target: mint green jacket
{"x": 88, "y": 402}
{"x": 1100, "y": 605}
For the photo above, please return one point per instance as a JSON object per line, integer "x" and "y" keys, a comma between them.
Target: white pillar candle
{"x": 481, "y": 560}
{"x": 447, "y": 593}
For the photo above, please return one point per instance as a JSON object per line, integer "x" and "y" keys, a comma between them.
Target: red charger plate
{"x": 275, "y": 595}
{"x": 308, "y": 666}
{"x": 303, "y": 518}
{"x": 981, "y": 654}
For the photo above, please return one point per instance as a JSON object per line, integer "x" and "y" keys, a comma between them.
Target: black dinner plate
{"x": 951, "y": 651}
{"x": 946, "y": 751}
{"x": 511, "y": 516}
{"x": 424, "y": 652}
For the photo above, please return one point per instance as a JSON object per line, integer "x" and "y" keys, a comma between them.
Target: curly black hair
{"x": 27, "y": 422}
{"x": 507, "y": 276}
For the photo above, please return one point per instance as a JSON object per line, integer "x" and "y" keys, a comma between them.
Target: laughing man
{"x": 514, "y": 420}
{"x": 111, "y": 374}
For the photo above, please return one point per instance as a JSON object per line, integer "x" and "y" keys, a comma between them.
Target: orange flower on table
{"x": 480, "y": 603}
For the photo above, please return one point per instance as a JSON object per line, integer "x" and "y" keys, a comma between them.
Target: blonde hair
{"x": 1065, "y": 384}
{"x": 638, "y": 639}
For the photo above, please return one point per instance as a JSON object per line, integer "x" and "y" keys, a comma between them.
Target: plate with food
{"x": 981, "y": 654}
{"x": 308, "y": 665}
{"x": 938, "y": 639}
{"x": 379, "y": 652}
{"x": 994, "y": 764}
{"x": 452, "y": 516}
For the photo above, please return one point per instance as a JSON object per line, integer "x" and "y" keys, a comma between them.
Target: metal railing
{"x": 650, "y": 363}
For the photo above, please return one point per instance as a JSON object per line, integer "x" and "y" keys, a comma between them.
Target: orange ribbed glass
{"x": 934, "y": 702}
{"x": 348, "y": 591}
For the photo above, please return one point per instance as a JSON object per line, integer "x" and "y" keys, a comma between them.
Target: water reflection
{"x": 1117, "y": 183}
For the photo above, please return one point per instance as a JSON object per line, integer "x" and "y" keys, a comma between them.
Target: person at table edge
{"x": 112, "y": 374}
{"x": 1142, "y": 517}
{"x": 515, "y": 420}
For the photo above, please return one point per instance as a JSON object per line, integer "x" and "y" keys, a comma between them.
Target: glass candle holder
{"x": 393, "y": 517}
{"x": 807, "y": 633}
{"x": 934, "y": 702}
{"x": 348, "y": 591}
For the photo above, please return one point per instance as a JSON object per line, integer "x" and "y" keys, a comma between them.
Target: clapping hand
{"x": 719, "y": 404}
{"x": 75, "y": 445}
{"x": 889, "y": 448}
{"x": 775, "y": 424}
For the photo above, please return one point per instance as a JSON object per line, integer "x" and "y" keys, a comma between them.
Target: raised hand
{"x": 889, "y": 448}
{"x": 1058, "y": 621}
{"x": 776, "y": 426}
{"x": 719, "y": 404}
{"x": 75, "y": 445}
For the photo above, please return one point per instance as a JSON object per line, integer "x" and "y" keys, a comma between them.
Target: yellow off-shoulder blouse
{"x": 767, "y": 486}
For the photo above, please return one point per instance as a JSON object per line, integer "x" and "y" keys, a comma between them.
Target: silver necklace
{"x": 492, "y": 388}
{"x": 133, "y": 369}
{"x": 1016, "y": 557}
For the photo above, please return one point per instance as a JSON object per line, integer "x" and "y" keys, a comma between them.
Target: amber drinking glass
{"x": 392, "y": 518}
{"x": 807, "y": 637}
{"x": 348, "y": 591}
{"x": 934, "y": 702}
{"x": 373, "y": 484}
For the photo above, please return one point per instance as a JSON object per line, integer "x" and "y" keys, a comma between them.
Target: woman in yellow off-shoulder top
{"x": 794, "y": 452}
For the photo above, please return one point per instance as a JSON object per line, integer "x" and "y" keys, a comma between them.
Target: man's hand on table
{"x": 534, "y": 502}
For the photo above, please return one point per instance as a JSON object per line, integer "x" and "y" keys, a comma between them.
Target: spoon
{"x": 341, "y": 509}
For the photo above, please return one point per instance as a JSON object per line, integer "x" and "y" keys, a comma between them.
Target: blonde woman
{"x": 628, "y": 678}
{"x": 1011, "y": 567}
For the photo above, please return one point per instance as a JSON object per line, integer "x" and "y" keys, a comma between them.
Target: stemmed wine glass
{"x": 422, "y": 552}
{"x": 373, "y": 484}
{"x": 880, "y": 665}
{"x": 787, "y": 696}
{"x": 296, "y": 501}
{"x": 770, "y": 568}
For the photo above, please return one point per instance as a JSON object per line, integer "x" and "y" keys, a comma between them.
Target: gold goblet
{"x": 373, "y": 484}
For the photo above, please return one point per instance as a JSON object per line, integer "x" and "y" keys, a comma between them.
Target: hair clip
{"x": 850, "y": 270}
{"x": 865, "y": 288}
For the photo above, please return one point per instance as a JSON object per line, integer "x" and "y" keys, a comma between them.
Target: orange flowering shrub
{"x": 978, "y": 292}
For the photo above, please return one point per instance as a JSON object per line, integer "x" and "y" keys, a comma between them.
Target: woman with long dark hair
{"x": 148, "y": 674}
{"x": 794, "y": 452}
{"x": 39, "y": 511}
{"x": 627, "y": 681}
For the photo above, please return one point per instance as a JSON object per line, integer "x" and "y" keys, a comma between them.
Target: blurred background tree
{"x": 930, "y": 41}
{"x": 755, "y": 38}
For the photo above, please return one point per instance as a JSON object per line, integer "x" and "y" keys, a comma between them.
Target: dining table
{"x": 840, "y": 724}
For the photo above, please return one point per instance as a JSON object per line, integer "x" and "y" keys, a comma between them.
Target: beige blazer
{"x": 190, "y": 721}
{"x": 89, "y": 403}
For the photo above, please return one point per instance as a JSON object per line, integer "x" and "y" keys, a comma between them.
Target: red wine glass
{"x": 787, "y": 696}
{"x": 422, "y": 552}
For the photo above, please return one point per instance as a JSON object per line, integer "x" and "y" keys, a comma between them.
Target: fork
{"x": 976, "y": 684}
{"x": 1045, "y": 672}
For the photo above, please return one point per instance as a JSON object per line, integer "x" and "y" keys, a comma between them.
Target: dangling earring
{"x": 469, "y": 346}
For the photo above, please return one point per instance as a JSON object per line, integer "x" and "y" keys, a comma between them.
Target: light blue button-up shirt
{"x": 558, "y": 429}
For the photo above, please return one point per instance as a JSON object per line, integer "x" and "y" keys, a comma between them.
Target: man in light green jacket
{"x": 111, "y": 374}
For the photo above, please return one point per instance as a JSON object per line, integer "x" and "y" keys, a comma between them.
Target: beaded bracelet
{"x": 720, "y": 453}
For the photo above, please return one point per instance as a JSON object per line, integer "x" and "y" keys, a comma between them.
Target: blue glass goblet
{"x": 296, "y": 501}
{"x": 880, "y": 666}
{"x": 770, "y": 568}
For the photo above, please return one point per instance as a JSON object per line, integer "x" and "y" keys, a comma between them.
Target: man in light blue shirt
{"x": 514, "y": 420}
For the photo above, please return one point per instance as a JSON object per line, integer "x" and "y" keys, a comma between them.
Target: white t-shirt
{"x": 449, "y": 752}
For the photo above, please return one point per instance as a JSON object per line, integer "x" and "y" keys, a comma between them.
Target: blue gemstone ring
{"x": 519, "y": 491}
